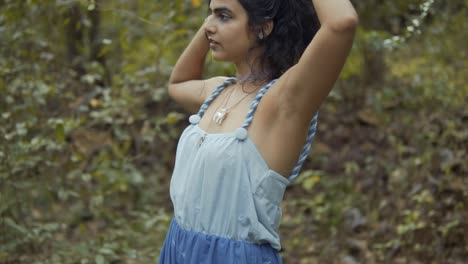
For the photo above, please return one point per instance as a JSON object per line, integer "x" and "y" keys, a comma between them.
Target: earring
{"x": 261, "y": 35}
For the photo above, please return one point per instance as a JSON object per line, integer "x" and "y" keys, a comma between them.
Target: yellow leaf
{"x": 315, "y": 179}
{"x": 173, "y": 118}
{"x": 95, "y": 103}
{"x": 196, "y": 3}
{"x": 310, "y": 182}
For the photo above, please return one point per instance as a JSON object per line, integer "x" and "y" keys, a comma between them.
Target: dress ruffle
{"x": 189, "y": 247}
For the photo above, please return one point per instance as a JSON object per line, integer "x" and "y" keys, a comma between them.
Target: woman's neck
{"x": 251, "y": 73}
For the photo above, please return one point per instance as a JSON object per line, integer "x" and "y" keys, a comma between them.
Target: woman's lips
{"x": 213, "y": 43}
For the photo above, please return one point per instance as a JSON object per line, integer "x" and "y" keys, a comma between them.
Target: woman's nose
{"x": 209, "y": 25}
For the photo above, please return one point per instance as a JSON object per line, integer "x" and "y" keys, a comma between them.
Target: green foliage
{"x": 81, "y": 149}
{"x": 88, "y": 135}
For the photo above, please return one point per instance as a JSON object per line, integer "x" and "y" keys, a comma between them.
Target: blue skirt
{"x": 189, "y": 247}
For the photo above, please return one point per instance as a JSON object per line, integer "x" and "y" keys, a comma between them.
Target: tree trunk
{"x": 95, "y": 42}
{"x": 74, "y": 38}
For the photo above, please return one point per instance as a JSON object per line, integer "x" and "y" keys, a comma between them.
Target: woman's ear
{"x": 267, "y": 28}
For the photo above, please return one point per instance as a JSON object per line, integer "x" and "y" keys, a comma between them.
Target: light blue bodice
{"x": 222, "y": 186}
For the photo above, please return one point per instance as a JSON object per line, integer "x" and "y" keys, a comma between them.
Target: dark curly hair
{"x": 295, "y": 23}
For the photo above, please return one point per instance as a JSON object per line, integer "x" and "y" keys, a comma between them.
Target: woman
{"x": 252, "y": 132}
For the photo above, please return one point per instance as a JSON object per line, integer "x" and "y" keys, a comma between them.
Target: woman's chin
{"x": 219, "y": 57}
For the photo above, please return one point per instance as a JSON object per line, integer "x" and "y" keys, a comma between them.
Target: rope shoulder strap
{"x": 310, "y": 134}
{"x": 194, "y": 119}
{"x": 256, "y": 101}
{"x": 305, "y": 149}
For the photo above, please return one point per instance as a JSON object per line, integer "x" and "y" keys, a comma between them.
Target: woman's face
{"x": 228, "y": 31}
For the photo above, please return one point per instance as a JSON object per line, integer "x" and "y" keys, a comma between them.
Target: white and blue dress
{"x": 226, "y": 199}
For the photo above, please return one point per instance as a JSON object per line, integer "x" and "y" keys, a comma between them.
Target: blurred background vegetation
{"x": 88, "y": 135}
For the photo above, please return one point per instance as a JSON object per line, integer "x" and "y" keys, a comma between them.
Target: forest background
{"x": 88, "y": 135}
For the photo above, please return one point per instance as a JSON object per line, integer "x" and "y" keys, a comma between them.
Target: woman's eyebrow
{"x": 221, "y": 10}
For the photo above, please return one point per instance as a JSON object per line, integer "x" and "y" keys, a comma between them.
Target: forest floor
{"x": 385, "y": 180}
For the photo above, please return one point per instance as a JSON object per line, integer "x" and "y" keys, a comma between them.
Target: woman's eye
{"x": 224, "y": 17}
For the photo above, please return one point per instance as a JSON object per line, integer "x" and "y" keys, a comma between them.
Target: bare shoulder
{"x": 191, "y": 94}
{"x": 213, "y": 83}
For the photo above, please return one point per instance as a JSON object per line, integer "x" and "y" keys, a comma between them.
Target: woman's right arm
{"x": 185, "y": 84}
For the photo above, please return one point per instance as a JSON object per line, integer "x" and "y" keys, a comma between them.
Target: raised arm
{"x": 304, "y": 86}
{"x": 185, "y": 84}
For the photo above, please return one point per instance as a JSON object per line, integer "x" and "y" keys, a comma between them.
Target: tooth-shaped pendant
{"x": 220, "y": 115}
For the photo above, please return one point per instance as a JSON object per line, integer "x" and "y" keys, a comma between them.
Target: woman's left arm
{"x": 305, "y": 85}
